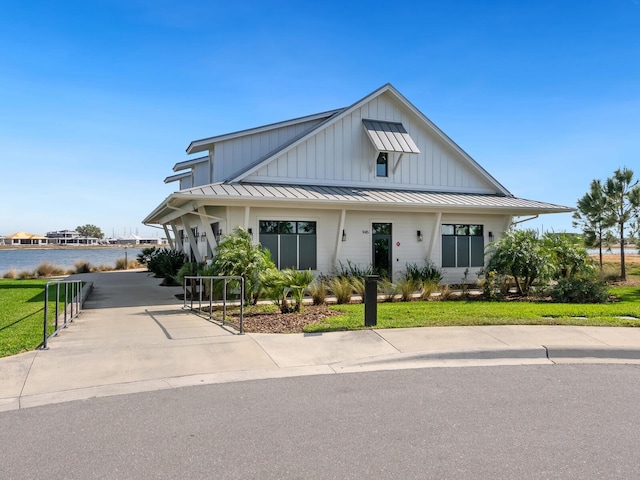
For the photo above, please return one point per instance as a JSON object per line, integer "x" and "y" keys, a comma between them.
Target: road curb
{"x": 557, "y": 352}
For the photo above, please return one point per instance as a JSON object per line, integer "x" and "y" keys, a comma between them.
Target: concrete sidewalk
{"x": 133, "y": 336}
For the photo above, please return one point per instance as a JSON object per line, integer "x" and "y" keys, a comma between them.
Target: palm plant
{"x": 237, "y": 255}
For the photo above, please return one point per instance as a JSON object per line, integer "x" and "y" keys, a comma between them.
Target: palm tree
{"x": 623, "y": 204}
{"x": 593, "y": 217}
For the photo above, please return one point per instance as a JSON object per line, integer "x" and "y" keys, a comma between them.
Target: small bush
{"x": 579, "y": 290}
{"x": 24, "y": 274}
{"x": 351, "y": 270}
{"x": 425, "y": 273}
{"x": 387, "y": 289}
{"x": 12, "y": 273}
{"x": 318, "y": 291}
{"x": 357, "y": 284}
{"x": 103, "y": 267}
{"x": 82, "y": 266}
{"x": 445, "y": 292}
{"x": 121, "y": 264}
{"x": 165, "y": 263}
{"x": 47, "y": 269}
{"x": 427, "y": 288}
{"x": 406, "y": 288}
{"x": 341, "y": 287}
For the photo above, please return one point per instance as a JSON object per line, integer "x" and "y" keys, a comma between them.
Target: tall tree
{"x": 623, "y": 204}
{"x": 89, "y": 230}
{"x": 592, "y": 215}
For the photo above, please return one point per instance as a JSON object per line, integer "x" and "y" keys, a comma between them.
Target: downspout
{"x": 339, "y": 237}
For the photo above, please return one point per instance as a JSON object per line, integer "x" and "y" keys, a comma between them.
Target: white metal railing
{"x": 202, "y": 292}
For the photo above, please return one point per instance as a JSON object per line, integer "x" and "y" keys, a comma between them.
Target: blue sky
{"x": 99, "y": 99}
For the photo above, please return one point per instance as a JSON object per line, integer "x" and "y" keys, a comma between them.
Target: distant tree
{"x": 89, "y": 230}
{"x": 623, "y": 205}
{"x": 592, "y": 216}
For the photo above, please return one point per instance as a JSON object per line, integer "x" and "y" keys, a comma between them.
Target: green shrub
{"x": 387, "y": 289}
{"x": 165, "y": 263}
{"x": 274, "y": 283}
{"x": 425, "y": 273}
{"x": 351, "y": 270}
{"x": 342, "y": 289}
{"x": 318, "y": 291}
{"x": 406, "y": 288}
{"x": 427, "y": 288}
{"x": 145, "y": 255}
{"x": 579, "y": 290}
{"x": 236, "y": 254}
{"x": 357, "y": 284}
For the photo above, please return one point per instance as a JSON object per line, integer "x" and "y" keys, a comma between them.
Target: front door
{"x": 381, "y": 248}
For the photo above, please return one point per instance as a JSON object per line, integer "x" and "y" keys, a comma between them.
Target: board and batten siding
{"x": 342, "y": 153}
{"x": 357, "y": 248}
{"x": 233, "y": 155}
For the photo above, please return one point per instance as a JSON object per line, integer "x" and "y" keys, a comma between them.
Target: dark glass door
{"x": 381, "y": 247}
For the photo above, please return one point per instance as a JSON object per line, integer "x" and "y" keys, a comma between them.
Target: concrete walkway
{"x": 133, "y": 336}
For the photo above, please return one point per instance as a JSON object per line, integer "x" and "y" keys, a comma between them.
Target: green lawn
{"x": 22, "y": 315}
{"x": 473, "y": 312}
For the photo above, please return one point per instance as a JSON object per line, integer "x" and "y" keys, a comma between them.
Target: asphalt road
{"x": 525, "y": 422}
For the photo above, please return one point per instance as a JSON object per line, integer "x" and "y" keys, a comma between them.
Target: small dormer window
{"x": 382, "y": 165}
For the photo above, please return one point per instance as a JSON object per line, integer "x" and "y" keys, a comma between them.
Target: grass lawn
{"x": 22, "y": 314}
{"x": 473, "y": 312}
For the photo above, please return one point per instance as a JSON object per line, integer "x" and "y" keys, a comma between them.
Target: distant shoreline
{"x": 80, "y": 247}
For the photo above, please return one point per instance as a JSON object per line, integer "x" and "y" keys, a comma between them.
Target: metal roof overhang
{"x": 353, "y": 198}
{"x": 389, "y": 137}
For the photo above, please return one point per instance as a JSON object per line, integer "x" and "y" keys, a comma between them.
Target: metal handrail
{"x": 210, "y": 279}
{"x": 72, "y": 306}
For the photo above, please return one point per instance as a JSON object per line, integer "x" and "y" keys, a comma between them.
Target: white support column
{"x": 343, "y": 214}
{"x": 169, "y": 239}
{"x": 176, "y": 235}
{"x": 211, "y": 236}
{"x": 193, "y": 242}
{"x": 434, "y": 235}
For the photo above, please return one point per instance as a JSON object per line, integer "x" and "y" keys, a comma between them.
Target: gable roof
{"x": 176, "y": 177}
{"x": 189, "y": 163}
{"x": 339, "y": 114}
{"x": 204, "y": 144}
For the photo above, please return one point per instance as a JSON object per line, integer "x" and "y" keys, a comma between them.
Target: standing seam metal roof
{"x": 312, "y": 193}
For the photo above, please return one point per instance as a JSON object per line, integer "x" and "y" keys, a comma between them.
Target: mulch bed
{"x": 286, "y": 322}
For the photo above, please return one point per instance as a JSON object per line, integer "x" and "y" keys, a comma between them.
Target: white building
{"x": 375, "y": 183}
{"x": 70, "y": 237}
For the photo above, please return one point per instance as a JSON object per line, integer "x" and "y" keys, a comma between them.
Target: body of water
{"x": 30, "y": 258}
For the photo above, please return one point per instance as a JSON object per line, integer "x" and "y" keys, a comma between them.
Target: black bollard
{"x": 371, "y": 300}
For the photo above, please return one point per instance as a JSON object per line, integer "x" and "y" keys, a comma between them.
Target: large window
{"x": 292, "y": 244}
{"x": 462, "y": 245}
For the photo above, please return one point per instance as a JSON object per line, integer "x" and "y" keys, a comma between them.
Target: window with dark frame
{"x": 462, "y": 245}
{"x": 292, "y": 244}
{"x": 382, "y": 165}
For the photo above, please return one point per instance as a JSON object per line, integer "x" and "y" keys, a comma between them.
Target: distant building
{"x": 24, "y": 238}
{"x": 70, "y": 237}
{"x": 136, "y": 240}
